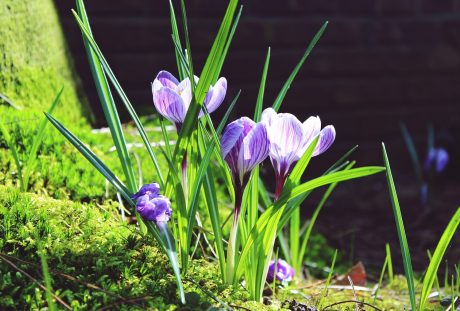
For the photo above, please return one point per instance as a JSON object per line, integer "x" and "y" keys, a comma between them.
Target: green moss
{"x": 108, "y": 261}
{"x": 35, "y": 62}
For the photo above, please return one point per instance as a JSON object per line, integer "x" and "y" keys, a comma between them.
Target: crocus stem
{"x": 231, "y": 249}
{"x": 280, "y": 180}
{"x": 184, "y": 176}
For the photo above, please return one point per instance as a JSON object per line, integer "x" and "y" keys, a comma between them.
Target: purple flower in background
{"x": 244, "y": 145}
{"x": 172, "y": 98}
{"x": 151, "y": 205}
{"x": 284, "y": 272}
{"x": 289, "y": 139}
{"x": 436, "y": 159}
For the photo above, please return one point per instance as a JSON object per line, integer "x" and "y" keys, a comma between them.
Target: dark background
{"x": 379, "y": 63}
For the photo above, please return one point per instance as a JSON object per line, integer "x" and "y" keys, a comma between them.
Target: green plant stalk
{"x": 108, "y": 104}
{"x": 271, "y": 214}
{"x": 47, "y": 281}
{"x": 328, "y": 280}
{"x": 407, "y": 263}
{"x": 31, "y": 161}
{"x": 436, "y": 259}
{"x": 390, "y": 262}
{"x": 303, "y": 248}
{"x": 382, "y": 273}
{"x": 108, "y": 71}
{"x": 14, "y": 153}
{"x": 413, "y": 153}
{"x": 279, "y": 99}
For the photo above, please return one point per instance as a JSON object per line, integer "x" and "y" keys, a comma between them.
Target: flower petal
{"x": 286, "y": 136}
{"x": 230, "y": 136}
{"x": 170, "y": 105}
{"x": 269, "y": 115}
{"x": 441, "y": 160}
{"x": 157, "y": 209}
{"x": 152, "y": 190}
{"x": 311, "y": 127}
{"x": 184, "y": 89}
{"x": 166, "y": 79}
{"x": 326, "y": 138}
{"x": 217, "y": 95}
{"x": 254, "y": 149}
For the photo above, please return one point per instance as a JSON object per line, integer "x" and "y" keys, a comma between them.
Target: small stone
{"x": 446, "y": 301}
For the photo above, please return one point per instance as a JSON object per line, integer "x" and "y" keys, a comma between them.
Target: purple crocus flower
{"x": 172, "y": 98}
{"x": 152, "y": 190}
{"x": 244, "y": 145}
{"x": 289, "y": 139}
{"x": 284, "y": 272}
{"x": 151, "y": 205}
{"x": 436, "y": 159}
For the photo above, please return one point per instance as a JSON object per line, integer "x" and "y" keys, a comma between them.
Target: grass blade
{"x": 412, "y": 152}
{"x": 108, "y": 71}
{"x": 169, "y": 244}
{"x": 107, "y": 102}
{"x": 93, "y": 159}
{"x": 31, "y": 157}
{"x": 14, "y": 152}
{"x": 260, "y": 96}
{"x": 390, "y": 262}
{"x": 407, "y": 262}
{"x": 328, "y": 280}
{"x": 436, "y": 259}
{"x": 303, "y": 247}
{"x": 279, "y": 99}
{"x": 211, "y": 69}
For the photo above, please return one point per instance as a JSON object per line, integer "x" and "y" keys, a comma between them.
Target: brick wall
{"x": 379, "y": 62}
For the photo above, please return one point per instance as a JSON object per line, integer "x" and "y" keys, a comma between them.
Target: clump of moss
{"x": 95, "y": 259}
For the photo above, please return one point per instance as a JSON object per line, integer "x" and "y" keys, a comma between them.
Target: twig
{"x": 36, "y": 281}
{"x": 354, "y": 293}
{"x": 350, "y": 301}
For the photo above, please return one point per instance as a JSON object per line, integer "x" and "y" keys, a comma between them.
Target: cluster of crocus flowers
{"x": 151, "y": 205}
{"x": 173, "y": 98}
{"x": 280, "y": 270}
{"x": 289, "y": 139}
{"x": 245, "y": 144}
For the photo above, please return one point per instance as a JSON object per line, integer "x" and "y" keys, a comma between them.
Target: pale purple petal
{"x": 152, "y": 190}
{"x": 326, "y": 138}
{"x": 157, "y": 209}
{"x": 170, "y": 105}
{"x": 230, "y": 136}
{"x": 441, "y": 160}
{"x": 311, "y": 127}
{"x": 184, "y": 89}
{"x": 284, "y": 272}
{"x": 286, "y": 137}
{"x": 165, "y": 79}
{"x": 254, "y": 149}
{"x": 217, "y": 96}
{"x": 437, "y": 159}
{"x": 269, "y": 115}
